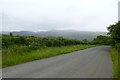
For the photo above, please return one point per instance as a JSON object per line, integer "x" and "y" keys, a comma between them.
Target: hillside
{"x": 71, "y": 34}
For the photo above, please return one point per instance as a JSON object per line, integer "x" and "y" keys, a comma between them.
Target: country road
{"x": 89, "y": 63}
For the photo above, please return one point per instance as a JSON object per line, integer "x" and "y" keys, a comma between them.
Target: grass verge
{"x": 14, "y": 59}
{"x": 116, "y": 61}
{"x": 0, "y": 58}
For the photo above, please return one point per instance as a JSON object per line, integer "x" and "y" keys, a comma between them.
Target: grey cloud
{"x": 33, "y": 15}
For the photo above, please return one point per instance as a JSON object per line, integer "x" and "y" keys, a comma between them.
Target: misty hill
{"x": 71, "y": 34}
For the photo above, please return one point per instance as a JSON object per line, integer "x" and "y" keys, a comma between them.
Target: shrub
{"x": 117, "y": 46}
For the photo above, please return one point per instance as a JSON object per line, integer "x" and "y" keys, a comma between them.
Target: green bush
{"x": 23, "y": 44}
{"x": 104, "y": 40}
{"x": 117, "y": 46}
{"x": 35, "y": 42}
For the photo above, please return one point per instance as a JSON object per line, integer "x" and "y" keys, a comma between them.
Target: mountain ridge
{"x": 71, "y": 34}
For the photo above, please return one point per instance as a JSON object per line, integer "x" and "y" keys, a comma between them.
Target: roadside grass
{"x": 0, "y": 51}
{"x": 0, "y": 59}
{"x": 116, "y": 61}
{"x": 14, "y": 59}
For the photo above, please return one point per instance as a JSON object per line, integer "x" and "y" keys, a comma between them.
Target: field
{"x": 116, "y": 62}
{"x": 21, "y": 49}
{"x": 0, "y": 51}
{"x": 13, "y": 59}
{"x": 0, "y": 59}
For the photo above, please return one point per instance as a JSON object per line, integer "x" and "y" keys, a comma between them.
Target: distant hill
{"x": 71, "y": 34}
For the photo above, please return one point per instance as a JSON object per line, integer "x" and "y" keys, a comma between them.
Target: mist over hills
{"x": 71, "y": 34}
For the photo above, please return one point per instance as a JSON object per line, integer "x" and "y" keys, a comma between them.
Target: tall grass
{"x": 0, "y": 51}
{"x": 0, "y": 59}
{"x": 116, "y": 63}
{"x": 17, "y": 57}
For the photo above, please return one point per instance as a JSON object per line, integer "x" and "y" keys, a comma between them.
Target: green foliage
{"x": 117, "y": 46}
{"x": 24, "y": 44}
{"x": 104, "y": 40}
{"x": 37, "y": 42}
{"x": 11, "y": 34}
{"x": 114, "y": 32}
{"x": 0, "y": 42}
{"x": 85, "y": 41}
{"x": 17, "y": 57}
{"x": 116, "y": 61}
{"x": 20, "y": 49}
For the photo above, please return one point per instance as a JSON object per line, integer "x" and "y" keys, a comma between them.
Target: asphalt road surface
{"x": 89, "y": 63}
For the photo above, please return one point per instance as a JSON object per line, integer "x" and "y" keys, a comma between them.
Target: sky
{"x": 119, "y": 11}
{"x": 37, "y": 15}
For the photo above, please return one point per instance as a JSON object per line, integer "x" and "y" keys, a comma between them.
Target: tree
{"x": 11, "y": 34}
{"x": 114, "y": 32}
{"x": 105, "y": 40}
{"x": 85, "y": 41}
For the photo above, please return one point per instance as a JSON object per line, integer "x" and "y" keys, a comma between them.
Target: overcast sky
{"x": 36, "y": 15}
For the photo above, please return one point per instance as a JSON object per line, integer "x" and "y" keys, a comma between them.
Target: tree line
{"x": 35, "y": 42}
{"x": 114, "y": 32}
{"x": 32, "y": 41}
